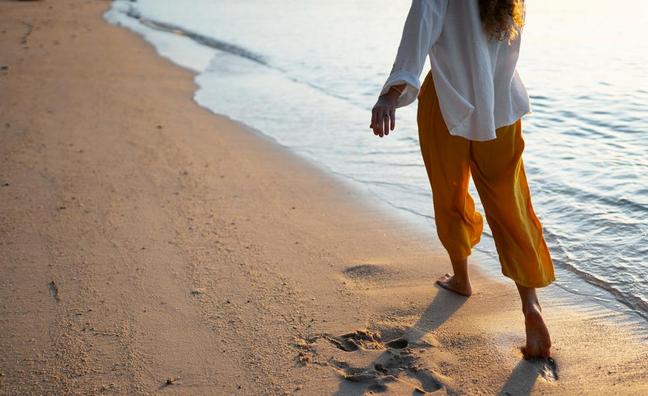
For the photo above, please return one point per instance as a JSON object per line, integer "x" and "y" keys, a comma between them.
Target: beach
{"x": 148, "y": 246}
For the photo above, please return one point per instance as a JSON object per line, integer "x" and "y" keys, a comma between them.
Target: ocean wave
{"x": 197, "y": 37}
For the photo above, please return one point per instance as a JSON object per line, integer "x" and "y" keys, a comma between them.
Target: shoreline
{"x": 194, "y": 51}
{"x": 149, "y": 244}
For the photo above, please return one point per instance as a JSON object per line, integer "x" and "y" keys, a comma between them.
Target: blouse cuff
{"x": 412, "y": 86}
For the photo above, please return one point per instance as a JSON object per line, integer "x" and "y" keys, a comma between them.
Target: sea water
{"x": 307, "y": 72}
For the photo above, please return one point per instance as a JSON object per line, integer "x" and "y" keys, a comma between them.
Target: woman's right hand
{"x": 383, "y": 114}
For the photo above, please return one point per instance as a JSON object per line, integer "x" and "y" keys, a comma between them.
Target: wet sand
{"x": 148, "y": 246}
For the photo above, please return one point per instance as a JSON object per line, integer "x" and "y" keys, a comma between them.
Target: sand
{"x": 148, "y": 246}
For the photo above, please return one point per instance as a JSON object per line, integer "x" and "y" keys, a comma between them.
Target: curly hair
{"x": 502, "y": 19}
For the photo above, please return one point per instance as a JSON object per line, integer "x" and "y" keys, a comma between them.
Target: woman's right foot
{"x": 455, "y": 284}
{"x": 538, "y": 343}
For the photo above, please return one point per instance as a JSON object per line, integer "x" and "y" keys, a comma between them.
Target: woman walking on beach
{"x": 469, "y": 119}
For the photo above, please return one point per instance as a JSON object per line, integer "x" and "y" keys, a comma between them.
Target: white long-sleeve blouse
{"x": 478, "y": 87}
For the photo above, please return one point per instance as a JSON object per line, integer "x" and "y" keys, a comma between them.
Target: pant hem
{"x": 532, "y": 285}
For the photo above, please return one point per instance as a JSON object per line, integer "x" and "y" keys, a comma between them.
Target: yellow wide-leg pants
{"x": 498, "y": 172}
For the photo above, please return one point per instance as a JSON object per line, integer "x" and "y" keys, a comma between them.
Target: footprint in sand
{"x": 364, "y": 271}
{"x": 397, "y": 344}
{"x": 351, "y": 342}
{"x": 393, "y": 362}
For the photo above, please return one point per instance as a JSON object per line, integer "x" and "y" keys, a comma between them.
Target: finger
{"x": 379, "y": 123}
{"x": 373, "y": 119}
{"x": 386, "y": 124}
{"x": 392, "y": 117}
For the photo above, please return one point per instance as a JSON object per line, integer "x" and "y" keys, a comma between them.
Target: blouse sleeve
{"x": 422, "y": 29}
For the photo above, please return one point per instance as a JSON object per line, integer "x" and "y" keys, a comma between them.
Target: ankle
{"x": 463, "y": 278}
{"x": 532, "y": 309}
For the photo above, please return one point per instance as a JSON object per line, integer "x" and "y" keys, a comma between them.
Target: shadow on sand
{"x": 525, "y": 374}
{"x": 399, "y": 364}
{"x": 521, "y": 380}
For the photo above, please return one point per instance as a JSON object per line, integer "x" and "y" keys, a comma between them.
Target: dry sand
{"x": 150, "y": 247}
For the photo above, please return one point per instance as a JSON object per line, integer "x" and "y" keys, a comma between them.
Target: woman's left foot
{"x": 538, "y": 343}
{"x": 454, "y": 284}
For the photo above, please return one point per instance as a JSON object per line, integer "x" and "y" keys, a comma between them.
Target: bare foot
{"x": 454, "y": 284}
{"x": 538, "y": 343}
